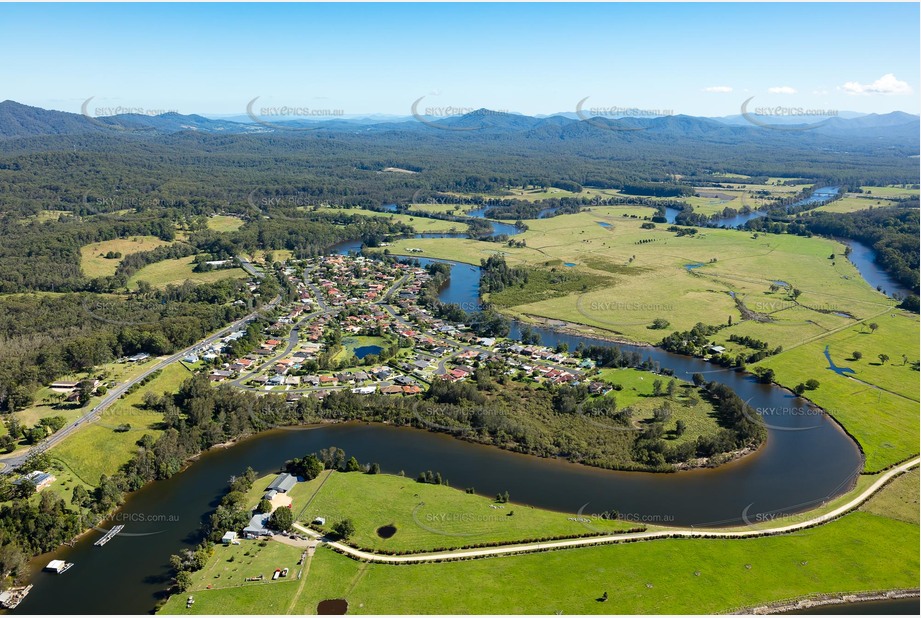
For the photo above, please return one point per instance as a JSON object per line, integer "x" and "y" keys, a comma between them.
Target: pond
{"x": 365, "y": 350}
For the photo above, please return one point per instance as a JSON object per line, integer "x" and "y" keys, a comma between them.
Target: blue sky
{"x": 530, "y": 58}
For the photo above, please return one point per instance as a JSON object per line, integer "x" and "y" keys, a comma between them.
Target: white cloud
{"x": 718, "y": 89}
{"x": 782, "y": 90}
{"x": 820, "y": 92}
{"x": 887, "y": 84}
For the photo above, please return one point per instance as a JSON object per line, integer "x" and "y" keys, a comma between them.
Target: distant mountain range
{"x": 18, "y": 120}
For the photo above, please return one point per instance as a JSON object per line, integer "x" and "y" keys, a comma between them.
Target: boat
{"x": 10, "y": 599}
{"x": 58, "y": 566}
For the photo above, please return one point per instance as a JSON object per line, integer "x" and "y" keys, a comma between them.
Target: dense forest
{"x": 45, "y": 256}
{"x": 45, "y": 337}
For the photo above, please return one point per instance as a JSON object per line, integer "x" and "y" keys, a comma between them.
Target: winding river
{"x": 817, "y": 197}
{"x": 806, "y": 460}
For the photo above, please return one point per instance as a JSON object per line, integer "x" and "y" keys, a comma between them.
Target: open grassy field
{"x": 420, "y": 224}
{"x": 225, "y": 223}
{"x": 853, "y": 202}
{"x": 278, "y": 255}
{"x": 871, "y": 549}
{"x": 877, "y": 403}
{"x": 651, "y": 280}
{"x": 224, "y": 579}
{"x": 45, "y": 215}
{"x": 776, "y": 188}
{"x": 48, "y": 402}
{"x": 637, "y": 394}
{"x": 713, "y": 205}
{"x": 619, "y": 211}
{"x": 92, "y": 257}
{"x": 428, "y": 517}
{"x": 178, "y": 271}
{"x": 891, "y": 191}
{"x": 898, "y": 500}
{"x": 457, "y": 209}
{"x": 98, "y": 449}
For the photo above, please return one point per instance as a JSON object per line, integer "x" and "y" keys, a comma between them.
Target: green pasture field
{"x": 94, "y": 264}
{"x": 98, "y": 449}
{"x": 871, "y": 549}
{"x": 225, "y": 223}
{"x": 429, "y": 517}
{"x": 178, "y": 271}
{"x": 877, "y": 403}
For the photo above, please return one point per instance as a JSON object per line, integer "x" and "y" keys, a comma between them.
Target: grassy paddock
{"x": 94, "y": 264}
{"x": 853, "y": 202}
{"x": 891, "y": 191}
{"x": 98, "y": 449}
{"x": 225, "y": 223}
{"x": 420, "y": 224}
{"x": 278, "y": 255}
{"x": 878, "y": 403}
{"x": 178, "y": 271}
{"x": 872, "y": 549}
{"x": 429, "y": 516}
{"x": 637, "y": 385}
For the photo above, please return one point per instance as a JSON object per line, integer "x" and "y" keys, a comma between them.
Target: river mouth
{"x": 332, "y": 607}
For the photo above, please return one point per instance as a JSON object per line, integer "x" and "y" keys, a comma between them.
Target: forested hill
{"x": 494, "y": 148}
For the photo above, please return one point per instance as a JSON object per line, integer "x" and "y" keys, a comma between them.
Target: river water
{"x": 864, "y": 258}
{"x": 819, "y": 196}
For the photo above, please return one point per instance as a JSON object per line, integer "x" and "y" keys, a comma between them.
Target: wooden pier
{"x": 109, "y": 535}
{"x": 10, "y": 599}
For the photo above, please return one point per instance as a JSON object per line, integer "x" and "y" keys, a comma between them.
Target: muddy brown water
{"x": 332, "y": 607}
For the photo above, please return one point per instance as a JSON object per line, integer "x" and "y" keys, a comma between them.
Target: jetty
{"x": 11, "y": 598}
{"x": 109, "y": 535}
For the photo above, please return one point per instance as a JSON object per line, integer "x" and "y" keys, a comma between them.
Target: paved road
{"x": 118, "y": 390}
{"x": 618, "y": 538}
{"x": 293, "y": 338}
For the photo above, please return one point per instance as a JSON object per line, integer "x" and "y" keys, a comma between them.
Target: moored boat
{"x": 58, "y": 566}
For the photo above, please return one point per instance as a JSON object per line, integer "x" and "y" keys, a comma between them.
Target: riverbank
{"x": 628, "y": 536}
{"x": 576, "y": 329}
{"x": 705, "y": 575}
{"x": 822, "y": 600}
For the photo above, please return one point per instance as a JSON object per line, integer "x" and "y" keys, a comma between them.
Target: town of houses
{"x": 377, "y": 300}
